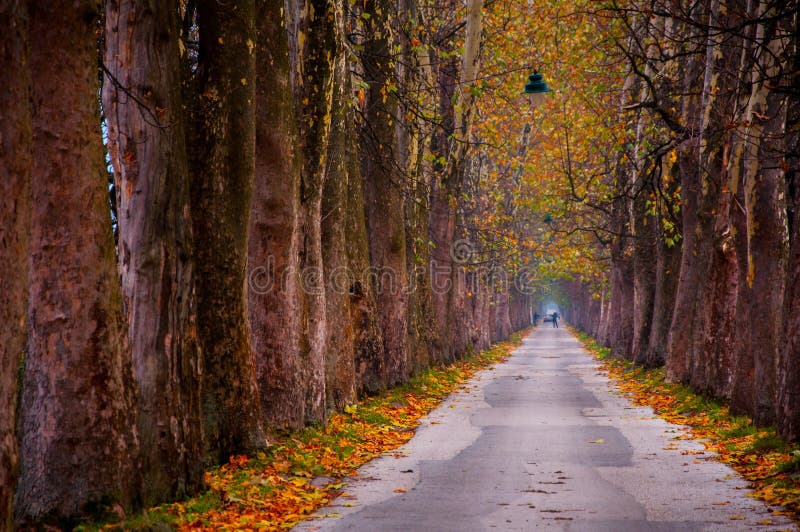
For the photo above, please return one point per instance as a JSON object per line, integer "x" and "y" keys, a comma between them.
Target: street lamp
{"x": 536, "y": 88}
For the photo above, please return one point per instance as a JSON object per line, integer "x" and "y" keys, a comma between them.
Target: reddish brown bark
{"x": 78, "y": 412}
{"x": 147, "y": 147}
{"x": 223, "y": 163}
{"x": 766, "y": 199}
{"x": 275, "y": 298}
{"x": 340, "y": 380}
{"x": 620, "y": 320}
{"x": 693, "y": 266}
{"x": 789, "y": 367}
{"x": 369, "y": 360}
{"x": 384, "y": 201}
{"x": 15, "y": 167}
{"x": 789, "y": 363}
{"x": 742, "y": 387}
{"x": 764, "y": 195}
{"x": 667, "y": 265}
{"x": 313, "y": 97}
{"x": 714, "y": 334}
{"x": 644, "y": 277}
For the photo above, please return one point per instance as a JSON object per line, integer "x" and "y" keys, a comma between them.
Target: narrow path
{"x": 542, "y": 442}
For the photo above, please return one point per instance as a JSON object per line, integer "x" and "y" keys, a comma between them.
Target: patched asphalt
{"x": 543, "y": 442}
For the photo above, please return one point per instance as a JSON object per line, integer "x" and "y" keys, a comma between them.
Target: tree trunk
{"x": 275, "y": 298}
{"x": 789, "y": 367}
{"x": 620, "y": 318}
{"x": 667, "y": 265}
{"x": 692, "y": 268}
{"x": 15, "y": 170}
{"x": 789, "y": 364}
{"x": 146, "y": 142}
{"x": 765, "y": 204}
{"x": 383, "y": 193}
{"x": 742, "y": 385}
{"x": 223, "y": 164}
{"x": 369, "y": 360}
{"x": 78, "y": 412}
{"x": 340, "y": 382}
{"x": 714, "y": 336}
{"x": 313, "y": 95}
{"x": 644, "y": 277}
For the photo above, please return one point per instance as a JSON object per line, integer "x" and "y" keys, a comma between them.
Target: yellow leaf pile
{"x": 770, "y": 464}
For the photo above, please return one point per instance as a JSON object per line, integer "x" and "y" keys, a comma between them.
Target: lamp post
{"x": 536, "y": 88}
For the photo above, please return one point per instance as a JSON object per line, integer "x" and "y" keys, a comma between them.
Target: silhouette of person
{"x": 555, "y": 320}
{"x": 535, "y": 319}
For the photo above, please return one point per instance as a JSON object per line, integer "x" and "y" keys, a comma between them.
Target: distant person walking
{"x": 555, "y": 320}
{"x": 535, "y": 319}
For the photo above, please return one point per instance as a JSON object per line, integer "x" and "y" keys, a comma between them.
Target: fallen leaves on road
{"x": 770, "y": 464}
{"x": 302, "y": 470}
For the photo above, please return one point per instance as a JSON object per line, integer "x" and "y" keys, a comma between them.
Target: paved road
{"x": 542, "y": 442}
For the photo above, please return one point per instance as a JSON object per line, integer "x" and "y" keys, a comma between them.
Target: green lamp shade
{"x": 536, "y": 85}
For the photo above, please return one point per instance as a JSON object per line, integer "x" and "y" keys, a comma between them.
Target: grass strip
{"x": 302, "y": 469}
{"x": 771, "y": 465}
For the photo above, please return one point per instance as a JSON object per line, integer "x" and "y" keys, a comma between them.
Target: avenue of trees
{"x": 287, "y": 229}
{"x": 698, "y": 218}
{"x": 224, "y": 218}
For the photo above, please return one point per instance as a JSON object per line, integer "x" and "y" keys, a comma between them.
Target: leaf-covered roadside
{"x": 770, "y": 464}
{"x": 302, "y": 470}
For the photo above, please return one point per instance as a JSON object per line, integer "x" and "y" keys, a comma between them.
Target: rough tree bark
{"x": 667, "y": 264}
{"x": 693, "y": 267}
{"x": 713, "y": 345}
{"x": 789, "y": 368}
{"x": 146, "y": 142}
{"x": 78, "y": 411}
{"x": 15, "y": 168}
{"x": 646, "y": 237}
{"x": 383, "y": 194}
{"x": 369, "y": 360}
{"x": 620, "y": 318}
{"x": 742, "y": 385}
{"x": 223, "y": 161}
{"x": 765, "y": 204}
{"x": 789, "y": 364}
{"x": 316, "y": 44}
{"x": 275, "y": 298}
{"x": 340, "y": 382}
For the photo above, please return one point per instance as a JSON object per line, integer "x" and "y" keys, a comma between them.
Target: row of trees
{"x": 699, "y": 213}
{"x": 290, "y": 192}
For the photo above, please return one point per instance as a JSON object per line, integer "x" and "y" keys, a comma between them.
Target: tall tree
{"x": 714, "y": 333}
{"x": 765, "y": 206}
{"x": 340, "y": 383}
{"x": 694, "y": 259}
{"x": 313, "y": 36}
{"x": 15, "y": 161}
{"x": 223, "y": 161}
{"x": 383, "y": 193}
{"x": 146, "y": 142}
{"x": 78, "y": 412}
{"x": 789, "y": 364}
{"x": 275, "y": 296}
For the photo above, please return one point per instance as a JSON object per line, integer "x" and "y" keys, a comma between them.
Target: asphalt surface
{"x": 543, "y": 442}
